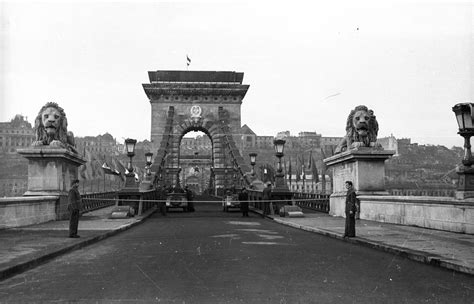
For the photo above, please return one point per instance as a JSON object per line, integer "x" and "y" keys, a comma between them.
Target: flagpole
{"x": 304, "y": 177}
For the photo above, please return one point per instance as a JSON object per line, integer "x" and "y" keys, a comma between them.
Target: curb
{"x": 414, "y": 255}
{"x": 22, "y": 267}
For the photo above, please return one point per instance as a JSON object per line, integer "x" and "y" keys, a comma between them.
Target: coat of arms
{"x": 196, "y": 111}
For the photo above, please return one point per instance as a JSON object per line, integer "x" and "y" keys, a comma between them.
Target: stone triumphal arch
{"x": 207, "y": 101}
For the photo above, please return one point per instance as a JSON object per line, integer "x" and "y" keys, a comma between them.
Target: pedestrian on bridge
{"x": 190, "y": 198}
{"x": 351, "y": 209}
{"x": 244, "y": 202}
{"x": 74, "y": 207}
{"x": 266, "y": 197}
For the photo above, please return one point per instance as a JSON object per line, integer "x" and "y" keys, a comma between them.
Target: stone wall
{"x": 439, "y": 213}
{"x": 23, "y": 211}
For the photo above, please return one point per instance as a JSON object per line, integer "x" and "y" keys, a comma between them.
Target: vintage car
{"x": 230, "y": 201}
{"x": 176, "y": 200}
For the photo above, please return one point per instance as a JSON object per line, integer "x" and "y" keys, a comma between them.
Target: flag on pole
{"x": 106, "y": 168}
{"x": 188, "y": 60}
{"x": 314, "y": 171}
{"x": 289, "y": 171}
{"x": 310, "y": 160}
{"x": 289, "y": 167}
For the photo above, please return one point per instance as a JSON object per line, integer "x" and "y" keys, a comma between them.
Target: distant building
{"x": 330, "y": 141}
{"x": 264, "y": 142}
{"x": 283, "y": 134}
{"x": 248, "y": 138}
{"x": 310, "y": 139}
{"x": 16, "y": 134}
{"x": 104, "y": 144}
{"x": 389, "y": 143}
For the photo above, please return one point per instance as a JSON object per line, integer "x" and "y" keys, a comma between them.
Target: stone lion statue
{"x": 51, "y": 128}
{"x": 362, "y": 128}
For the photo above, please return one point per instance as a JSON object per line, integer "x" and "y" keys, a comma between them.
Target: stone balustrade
{"x": 29, "y": 210}
{"x": 23, "y": 211}
{"x": 440, "y": 213}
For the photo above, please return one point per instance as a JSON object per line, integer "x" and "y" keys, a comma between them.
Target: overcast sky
{"x": 307, "y": 63}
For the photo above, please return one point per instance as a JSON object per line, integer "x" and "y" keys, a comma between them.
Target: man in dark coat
{"x": 244, "y": 202}
{"x": 267, "y": 197}
{"x": 190, "y": 198}
{"x": 351, "y": 209}
{"x": 74, "y": 207}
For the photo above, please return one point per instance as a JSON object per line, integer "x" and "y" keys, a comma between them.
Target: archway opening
{"x": 196, "y": 161}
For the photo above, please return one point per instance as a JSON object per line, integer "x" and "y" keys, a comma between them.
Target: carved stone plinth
{"x": 365, "y": 167}
{"x": 466, "y": 182}
{"x": 50, "y": 172}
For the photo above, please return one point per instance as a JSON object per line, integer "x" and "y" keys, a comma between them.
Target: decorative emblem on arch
{"x": 196, "y": 112}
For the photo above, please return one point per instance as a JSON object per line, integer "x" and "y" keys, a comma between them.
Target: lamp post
{"x": 130, "y": 146}
{"x": 147, "y": 182}
{"x": 465, "y": 117}
{"x": 148, "y": 158}
{"x": 253, "y": 159}
{"x": 281, "y": 192}
{"x": 129, "y": 195}
{"x": 279, "y": 145}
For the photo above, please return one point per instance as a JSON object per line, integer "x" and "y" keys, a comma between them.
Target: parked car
{"x": 230, "y": 201}
{"x": 176, "y": 200}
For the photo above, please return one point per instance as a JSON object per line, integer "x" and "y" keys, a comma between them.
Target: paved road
{"x": 215, "y": 257}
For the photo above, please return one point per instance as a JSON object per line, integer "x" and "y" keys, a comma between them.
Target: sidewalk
{"x": 26, "y": 247}
{"x": 445, "y": 249}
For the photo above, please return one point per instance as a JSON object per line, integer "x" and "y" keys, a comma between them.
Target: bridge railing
{"x": 317, "y": 202}
{"x": 94, "y": 201}
{"x": 313, "y": 201}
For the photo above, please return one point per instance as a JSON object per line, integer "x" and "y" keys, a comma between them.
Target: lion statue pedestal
{"x": 53, "y": 160}
{"x": 50, "y": 172}
{"x": 358, "y": 158}
{"x": 365, "y": 167}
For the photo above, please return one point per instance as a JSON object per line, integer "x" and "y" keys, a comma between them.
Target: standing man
{"x": 244, "y": 202}
{"x": 74, "y": 206}
{"x": 267, "y": 197}
{"x": 351, "y": 209}
{"x": 190, "y": 198}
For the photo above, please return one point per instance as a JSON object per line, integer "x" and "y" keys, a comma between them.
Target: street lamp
{"x": 281, "y": 190}
{"x": 465, "y": 116}
{"x": 279, "y": 145}
{"x": 148, "y": 158}
{"x": 129, "y": 195}
{"x": 253, "y": 159}
{"x": 130, "y": 146}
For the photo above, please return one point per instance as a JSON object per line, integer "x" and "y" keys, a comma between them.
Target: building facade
{"x": 101, "y": 144}
{"x": 16, "y": 134}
